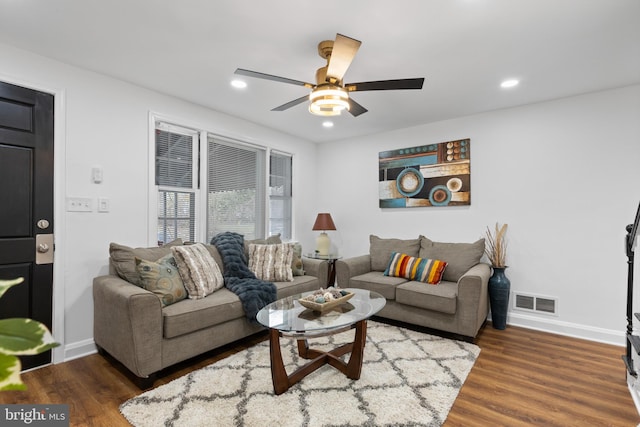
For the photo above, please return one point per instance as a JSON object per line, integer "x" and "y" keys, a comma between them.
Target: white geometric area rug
{"x": 408, "y": 379}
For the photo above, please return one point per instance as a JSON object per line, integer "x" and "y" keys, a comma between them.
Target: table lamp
{"x": 323, "y": 223}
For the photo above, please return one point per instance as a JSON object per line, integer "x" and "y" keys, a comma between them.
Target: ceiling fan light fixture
{"x": 328, "y": 100}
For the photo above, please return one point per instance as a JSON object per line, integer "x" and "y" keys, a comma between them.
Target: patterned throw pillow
{"x": 271, "y": 262}
{"x": 123, "y": 258}
{"x": 413, "y": 268}
{"x": 162, "y": 278}
{"x": 296, "y": 264}
{"x": 199, "y": 271}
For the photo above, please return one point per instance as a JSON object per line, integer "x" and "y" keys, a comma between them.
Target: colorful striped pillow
{"x": 413, "y": 268}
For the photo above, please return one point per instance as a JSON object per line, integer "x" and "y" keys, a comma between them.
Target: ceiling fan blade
{"x": 258, "y": 75}
{"x": 386, "y": 85}
{"x": 291, "y": 103}
{"x": 344, "y": 49}
{"x": 356, "y": 109}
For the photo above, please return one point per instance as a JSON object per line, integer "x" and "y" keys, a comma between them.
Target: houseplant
{"x": 499, "y": 284}
{"x": 19, "y": 337}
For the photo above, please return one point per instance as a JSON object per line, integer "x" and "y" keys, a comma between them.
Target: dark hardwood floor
{"x": 522, "y": 378}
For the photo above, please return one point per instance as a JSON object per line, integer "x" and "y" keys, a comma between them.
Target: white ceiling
{"x": 464, "y": 49}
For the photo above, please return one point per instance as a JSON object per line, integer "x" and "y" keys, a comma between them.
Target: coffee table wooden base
{"x": 282, "y": 381}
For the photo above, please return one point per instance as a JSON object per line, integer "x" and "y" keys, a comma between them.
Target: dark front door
{"x": 26, "y": 206}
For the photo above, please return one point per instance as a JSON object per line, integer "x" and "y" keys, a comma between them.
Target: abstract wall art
{"x": 427, "y": 175}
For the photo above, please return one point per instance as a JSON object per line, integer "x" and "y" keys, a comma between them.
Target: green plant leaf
{"x": 10, "y": 373}
{"x": 21, "y": 337}
{"x": 6, "y": 284}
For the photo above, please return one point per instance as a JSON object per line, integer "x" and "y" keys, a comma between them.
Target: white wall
{"x": 106, "y": 124}
{"x": 564, "y": 175}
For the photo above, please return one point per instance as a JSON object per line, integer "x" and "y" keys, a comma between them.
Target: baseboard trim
{"x": 79, "y": 349}
{"x": 574, "y": 330}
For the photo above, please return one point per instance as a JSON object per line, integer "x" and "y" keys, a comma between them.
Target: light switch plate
{"x": 103, "y": 204}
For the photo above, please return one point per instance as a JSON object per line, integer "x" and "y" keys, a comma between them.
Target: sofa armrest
{"x": 350, "y": 267}
{"x": 128, "y": 324}
{"x": 473, "y": 298}
{"x": 317, "y": 268}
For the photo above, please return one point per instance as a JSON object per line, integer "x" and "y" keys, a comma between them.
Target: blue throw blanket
{"x": 253, "y": 292}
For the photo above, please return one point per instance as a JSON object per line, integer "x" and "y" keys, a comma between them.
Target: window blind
{"x": 174, "y": 159}
{"x": 176, "y": 216}
{"x": 235, "y": 189}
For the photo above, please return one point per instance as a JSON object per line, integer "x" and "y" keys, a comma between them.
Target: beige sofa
{"x": 458, "y": 304}
{"x": 131, "y": 324}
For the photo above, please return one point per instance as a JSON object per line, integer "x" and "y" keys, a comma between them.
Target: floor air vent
{"x": 536, "y": 303}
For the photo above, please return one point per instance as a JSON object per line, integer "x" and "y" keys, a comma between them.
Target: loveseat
{"x": 458, "y": 304}
{"x": 147, "y": 333}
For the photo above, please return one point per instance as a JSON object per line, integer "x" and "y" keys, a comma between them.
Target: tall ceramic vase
{"x": 499, "y": 287}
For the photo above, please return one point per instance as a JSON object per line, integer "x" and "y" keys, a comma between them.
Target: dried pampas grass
{"x": 496, "y": 246}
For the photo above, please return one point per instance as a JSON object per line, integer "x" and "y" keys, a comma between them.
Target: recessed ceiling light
{"x": 239, "y": 84}
{"x": 327, "y": 124}
{"x": 509, "y": 83}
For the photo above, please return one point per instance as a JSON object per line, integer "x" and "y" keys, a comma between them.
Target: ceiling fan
{"x": 330, "y": 95}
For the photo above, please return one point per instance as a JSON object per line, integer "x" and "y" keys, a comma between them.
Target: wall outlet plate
{"x": 79, "y": 204}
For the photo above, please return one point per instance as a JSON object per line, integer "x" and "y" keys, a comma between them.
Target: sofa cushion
{"x": 459, "y": 256}
{"x": 298, "y": 285}
{"x": 421, "y": 269}
{"x": 192, "y": 315}
{"x": 376, "y": 281}
{"x": 442, "y": 298}
{"x": 271, "y": 262}
{"x": 199, "y": 271}
{"x": 123, "y": 258}
{"x": 381, "y": 250}
{"x": 162, "y": 278}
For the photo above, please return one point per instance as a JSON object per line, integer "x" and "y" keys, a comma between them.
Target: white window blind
{"x": 176, "y": 178}
{"x": 280, "y": 194}
{"x": 235, "y": 189}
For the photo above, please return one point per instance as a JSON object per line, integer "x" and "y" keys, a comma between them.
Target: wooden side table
{"x": 331, "y": 260}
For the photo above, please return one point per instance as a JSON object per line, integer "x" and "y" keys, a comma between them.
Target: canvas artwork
{"x": 427, "y": 175}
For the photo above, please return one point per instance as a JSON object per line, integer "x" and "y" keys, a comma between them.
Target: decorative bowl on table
{"x": 324, "y": 300}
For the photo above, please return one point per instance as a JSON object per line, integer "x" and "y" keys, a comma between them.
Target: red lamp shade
{"x": 324, "y": 222}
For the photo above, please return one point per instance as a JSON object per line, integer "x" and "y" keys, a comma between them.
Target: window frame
{"x": 202, "y": 152}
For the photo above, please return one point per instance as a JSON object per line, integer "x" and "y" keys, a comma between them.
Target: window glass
{"x": 280, "y": 194}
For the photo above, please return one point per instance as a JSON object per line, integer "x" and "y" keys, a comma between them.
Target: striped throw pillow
{"x": 413, "y": 268}
{"x": 199, "y": 271}
{"x": 271, "y": 263}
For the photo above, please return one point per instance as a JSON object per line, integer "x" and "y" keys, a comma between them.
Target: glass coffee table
{"x": 287, "y": 318}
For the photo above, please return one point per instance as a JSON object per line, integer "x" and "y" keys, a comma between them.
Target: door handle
{"x": 44, "y": 246}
